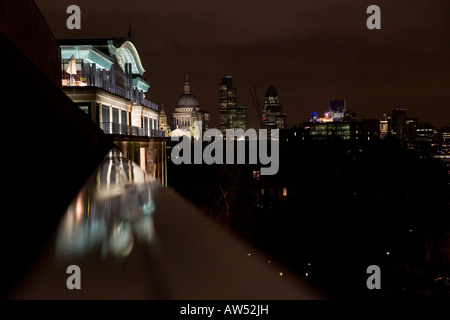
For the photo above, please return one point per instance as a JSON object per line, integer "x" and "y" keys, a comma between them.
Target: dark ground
{"x": 346, "y": 206}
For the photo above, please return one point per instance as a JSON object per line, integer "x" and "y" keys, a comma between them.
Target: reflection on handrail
{"x": 112, "y": 211}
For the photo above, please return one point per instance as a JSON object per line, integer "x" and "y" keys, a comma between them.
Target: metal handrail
{"x": 124, "y": 129}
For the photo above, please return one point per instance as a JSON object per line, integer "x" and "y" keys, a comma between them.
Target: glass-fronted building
{"x": 231, "y": 115}
{"x": 334, "y": 131}
{"x": 272, "y": 115}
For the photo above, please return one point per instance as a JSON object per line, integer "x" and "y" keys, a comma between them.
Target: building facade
{"x": 334, "y": 131}
{"x": 231, "y": 115}
{"x": 272, "y": 115}
{"x": 164, "y": 122}
{"x": 444, "y": 135}
{"x": 104, "y": 78}
{"x": 337, "y": 109}
{"x": 237, "y": 118}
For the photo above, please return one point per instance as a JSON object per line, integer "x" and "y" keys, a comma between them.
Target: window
{"x": 123, "y": 117}
{"x": 105, "y": 113}
{"x": 145, "y": 126}
{"x": 115, "y": 115}
{"x": 85, "y": 107}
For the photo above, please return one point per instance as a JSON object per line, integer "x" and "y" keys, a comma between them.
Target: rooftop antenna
{"x": 130, "y": 32}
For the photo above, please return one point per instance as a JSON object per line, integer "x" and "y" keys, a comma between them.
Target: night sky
{"x": 312, "y": 51}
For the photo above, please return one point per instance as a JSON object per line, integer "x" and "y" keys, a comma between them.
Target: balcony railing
{"x": 87, "y": 80}
{"x": 149, "y": 104}
{"x": 124, "y": 129}
{"x": 130, "y": 238}
{"x": 96, "y": 81}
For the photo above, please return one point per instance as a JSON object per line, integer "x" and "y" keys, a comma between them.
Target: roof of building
{"x": 122, "y": 48}
{"x": 180, "y": 132}
{"x": 187, "y": 101}
{"x": 271, "y": 91}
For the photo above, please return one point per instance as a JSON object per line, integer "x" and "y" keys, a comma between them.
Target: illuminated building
{"x": 425, "y": 132}
{"x": 231, "y": 115}
{"x": 401, "y": 127}
{"x": 163, "y": 122}
{"x": 349, "y": 116}
{"x": 237, "y": 118}
{"x": 444, "y": 134}
{"x": 326, "y": 118}
{"x": 333, "y": 131}
{"x": 104, "y": 78}
{"x": 385, "y": 124}
{"x": 187, "y": 111}
{"x": 313, "y": 117}
{"x": 273, "y": 116}
{"x": 336, "y": 109}
{"x": 410, "y": 128}
{"x": 227, "y": 99}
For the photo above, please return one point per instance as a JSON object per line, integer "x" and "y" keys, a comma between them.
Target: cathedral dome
{"x": 188, "y": 101}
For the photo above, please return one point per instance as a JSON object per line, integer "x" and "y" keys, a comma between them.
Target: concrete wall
{"x": 23, "y": 24}
{"x": 49, "y": 148}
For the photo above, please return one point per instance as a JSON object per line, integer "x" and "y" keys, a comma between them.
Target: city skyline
{"x": 312, "y": 52}
{"x": 349, "y": 204}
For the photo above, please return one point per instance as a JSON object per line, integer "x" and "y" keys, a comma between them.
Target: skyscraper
{"x": 273, "y": 116}
{"x": 398, "y": 117}
{"x": 237, "y": 117}
{"x": 231, "y": 116}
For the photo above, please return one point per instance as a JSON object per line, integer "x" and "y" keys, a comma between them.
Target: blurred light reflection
{"x": 111, "y": 212}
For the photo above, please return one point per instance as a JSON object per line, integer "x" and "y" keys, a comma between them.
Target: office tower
{"x": 444, "y": 134}
{"x": 237, "y": 117}
{"x": 398, "y": 119}
{"x": 273, "y": 116}
{"x": 231, "y": 115}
